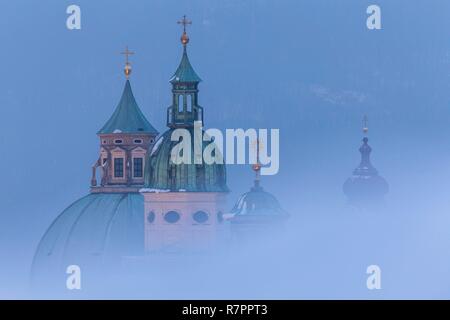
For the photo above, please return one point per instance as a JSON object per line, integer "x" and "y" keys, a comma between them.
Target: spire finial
{"x": 184, "y": 37}
{"x": 127, "y": 69}
{"x": 365, "y": 124}
{"x": 257, "y": 166}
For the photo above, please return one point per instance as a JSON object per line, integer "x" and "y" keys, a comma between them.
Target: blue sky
{"x": 310, "y": 68}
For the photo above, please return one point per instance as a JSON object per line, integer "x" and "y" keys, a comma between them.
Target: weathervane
{"x": 184, "y": 37}
{"x": 127, "y": 69}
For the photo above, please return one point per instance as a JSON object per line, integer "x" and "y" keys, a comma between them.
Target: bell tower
{"x": 184, "y": 109}
{"x": 184, "y": 202}
{"x": 124, "y": 142}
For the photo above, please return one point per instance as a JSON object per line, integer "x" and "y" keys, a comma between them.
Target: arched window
{"x": 138, "y": 155}
{"x": 200, "y": 217}
{"x": 189, "y": 103}
{"x": 118, "y": 162}
{"x": 172, "y": 216}
{"x": 118, "y": 167}
{"x": 138, "y": 167}
{"x": 180, "y": 103}
{"x": 170, "y": 115}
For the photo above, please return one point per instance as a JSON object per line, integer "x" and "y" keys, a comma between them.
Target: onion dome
{"x": 365, "y": 185}
{"x": 257, "y": 204}
{"x": 95, "y": 229}
{"x": 161, "y": 173}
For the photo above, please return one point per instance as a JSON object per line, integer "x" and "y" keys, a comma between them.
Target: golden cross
{"x": 184, "y": 22}
{"x": 127, "y": 53}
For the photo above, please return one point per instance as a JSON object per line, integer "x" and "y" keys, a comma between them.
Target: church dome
{"x": 97, "y": 228}
{"x": 365, "y": 187}
{"x": 162, "y": 174}
{"x": 258, "y": 203}
{"x": 365, "y": 184}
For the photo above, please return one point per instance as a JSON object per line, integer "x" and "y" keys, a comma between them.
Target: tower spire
{"x": 127, "y": 69}
{"x": 185, "y": 109}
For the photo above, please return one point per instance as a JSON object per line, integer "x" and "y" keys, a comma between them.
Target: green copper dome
{"x": 127, "y": 118}
{"x": 162, "y": 174}
{"x": 95, "y": 229}
{"x": 258, "y": 202}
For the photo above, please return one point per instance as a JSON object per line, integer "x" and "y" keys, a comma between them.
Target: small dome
{"x": 162, "y": 174}
{"x": 365, "y": 185}
{"x": 92, "y": 230}
{"x": 258, "y": 203}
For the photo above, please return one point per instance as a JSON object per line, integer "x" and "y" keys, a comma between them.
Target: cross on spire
{"x": 127, "y": 53}
{"x": 184, "y": 38}
{"x": 184, "y": 22}
{"x": 127, "y": 68}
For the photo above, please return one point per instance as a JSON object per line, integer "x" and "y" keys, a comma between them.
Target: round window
{"x": 200, "y": 217}
{"x": 151, "y": 217}
{"x": 172, "y": 216}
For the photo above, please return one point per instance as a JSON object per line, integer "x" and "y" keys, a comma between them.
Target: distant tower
{"x": 256, "y": 211}
{"x": 365, "y": 187}
{"x": 183, "y": 202}
{"x": 124, "y": 142}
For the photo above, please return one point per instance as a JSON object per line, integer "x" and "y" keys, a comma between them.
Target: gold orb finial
{"x": 127, "y": 69}
{"x": 256, "y": 167}
{"x": 184, "y": 37}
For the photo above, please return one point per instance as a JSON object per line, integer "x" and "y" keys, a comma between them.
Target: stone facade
{"x": 130, "y": 150}
{"x": 180, "y": 221}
